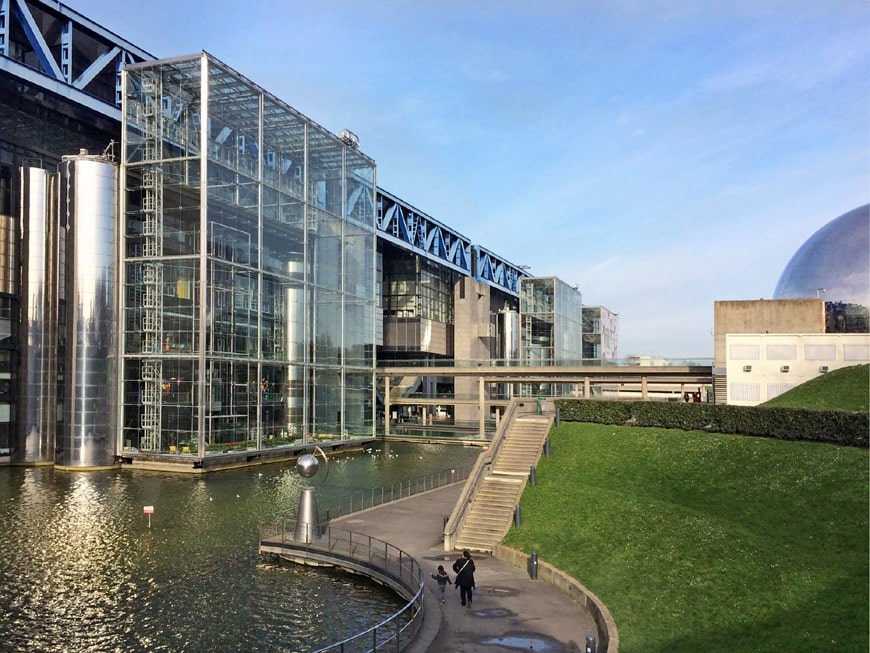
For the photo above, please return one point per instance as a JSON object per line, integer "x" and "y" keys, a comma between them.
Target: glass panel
{"x": 325, "y": 155}
{"x": 326, "y": 327}
{"x": 358, "y": 414}
{"x": 325, "y": 250}
{"x": 360, "y": 189}
{"x": 326, "y": 404}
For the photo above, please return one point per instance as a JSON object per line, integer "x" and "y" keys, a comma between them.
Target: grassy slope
{"x": 702, "y": 542}
{"x": 845, "y": 389}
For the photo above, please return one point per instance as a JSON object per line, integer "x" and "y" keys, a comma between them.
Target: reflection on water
{"x": 81, "y": 571}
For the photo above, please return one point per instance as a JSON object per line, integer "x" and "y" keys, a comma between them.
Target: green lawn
{"x": 703, "y": 542}
{"x": 845, "y": 389}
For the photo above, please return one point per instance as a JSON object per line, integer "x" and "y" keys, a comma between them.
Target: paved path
{"x": 510, "y": 612}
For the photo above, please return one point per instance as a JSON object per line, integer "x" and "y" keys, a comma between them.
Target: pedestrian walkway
{"x": 511, "y": 612}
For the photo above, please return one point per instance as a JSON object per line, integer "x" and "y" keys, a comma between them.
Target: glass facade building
{"x": 229, "y": 279}
{"x": 551, "y": 330}
{"x": 551, "y": 313}
{"x": 599, "y": 335}
{"x": 247, "y": 267}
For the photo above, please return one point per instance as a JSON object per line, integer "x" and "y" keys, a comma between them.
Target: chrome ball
{"x": 307, "y": 465}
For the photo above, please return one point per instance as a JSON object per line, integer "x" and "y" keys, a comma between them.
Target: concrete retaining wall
{"x": 608, "y": 637}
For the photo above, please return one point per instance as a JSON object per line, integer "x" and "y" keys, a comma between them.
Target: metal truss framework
{"x": 49, "y": 44}
{"x": 66, "y": 51}
{"x": 411, "y": 229}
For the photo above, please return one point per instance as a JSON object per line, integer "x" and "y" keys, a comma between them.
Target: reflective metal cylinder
{"x": 294, "y": 310}
{"x": 508, "y": 335}
{"x": 308, "y": 518}
{"x": 88, "y": 213}
{"x": 37, "y": 372}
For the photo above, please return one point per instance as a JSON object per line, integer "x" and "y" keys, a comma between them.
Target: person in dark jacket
{"x": 464, "y": 569}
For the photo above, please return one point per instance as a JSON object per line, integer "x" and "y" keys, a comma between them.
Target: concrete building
{"x": 190, "y": 268}
{"x": 761, "y": 366}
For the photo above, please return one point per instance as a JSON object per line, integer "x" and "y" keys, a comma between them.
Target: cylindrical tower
{"x": 88, "y": 214}
{"x": 37, "y": 404}
{"x": 294, "y": 312}
{"x": 508, "y": 335}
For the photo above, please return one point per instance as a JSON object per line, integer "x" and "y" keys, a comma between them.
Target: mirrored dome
{"x": 834, "y": 263}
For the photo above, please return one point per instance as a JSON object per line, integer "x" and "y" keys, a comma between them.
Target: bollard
{"x": 517, "y": 518}
{"x": 590, "y": 644}
{"x": 558, "y": 419}
{"x": 444, "y": 525}
{"x": 533, "y": 566}
{"x": 547, "y": 448}
{"x": 532, "y": 476}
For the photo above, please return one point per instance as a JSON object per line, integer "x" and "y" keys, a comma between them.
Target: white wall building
{"x": 761, "y": 366}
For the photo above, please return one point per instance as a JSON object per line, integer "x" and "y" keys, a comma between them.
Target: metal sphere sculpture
{"x": 307, "y": 465}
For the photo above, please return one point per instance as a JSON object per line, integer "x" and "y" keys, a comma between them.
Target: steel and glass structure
{"x": 247, "y": 261}
{"x": 599, "y": 335}
{"x": 189, "y": 266}
{"x": 551, "y": 332}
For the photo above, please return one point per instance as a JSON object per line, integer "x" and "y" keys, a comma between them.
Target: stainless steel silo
{"x": 37, "y": 372}
{"x": 508, "y": 336}
{"x": 88, "y": 214}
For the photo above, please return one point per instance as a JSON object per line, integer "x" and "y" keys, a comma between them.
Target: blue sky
{"x": 660, "y": 154}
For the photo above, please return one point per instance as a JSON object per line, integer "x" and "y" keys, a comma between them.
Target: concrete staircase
{"x": 494, "y": 498}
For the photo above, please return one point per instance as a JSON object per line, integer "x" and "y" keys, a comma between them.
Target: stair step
{"x": 494, "y": 502}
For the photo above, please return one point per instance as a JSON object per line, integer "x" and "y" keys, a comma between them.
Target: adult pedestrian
{"x": 464, "y": 569}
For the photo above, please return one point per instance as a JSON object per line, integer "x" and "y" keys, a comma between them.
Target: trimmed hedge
{"x": 835, "y": 426}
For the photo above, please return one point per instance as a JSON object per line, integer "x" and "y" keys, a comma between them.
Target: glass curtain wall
{"x": 248, "y": 268}
{"x": 551, "y": 328}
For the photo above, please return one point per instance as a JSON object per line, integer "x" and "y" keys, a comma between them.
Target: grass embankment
{"x": 706, "y": 542}
{"x": 845, "y": 389}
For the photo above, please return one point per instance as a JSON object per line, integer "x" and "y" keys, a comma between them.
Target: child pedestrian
{"x": 442, "y": 579}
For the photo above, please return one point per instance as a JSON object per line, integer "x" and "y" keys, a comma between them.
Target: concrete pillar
{"x": 481, "y": 406}
{"x": 643, "y": 394}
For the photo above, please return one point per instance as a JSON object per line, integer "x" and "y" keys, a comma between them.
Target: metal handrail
{"x": 363, "y": 554}
{"x": 364, "y": 499}
{"x": 347, "y": 504}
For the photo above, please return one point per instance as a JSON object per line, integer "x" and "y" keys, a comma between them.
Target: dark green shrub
{"x": 840, "y": 427}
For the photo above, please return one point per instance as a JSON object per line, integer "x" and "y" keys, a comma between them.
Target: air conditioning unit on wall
{"x": 747, "y": 368}
{"x": 823, "y": 368}
{"x": 784, "y": 368}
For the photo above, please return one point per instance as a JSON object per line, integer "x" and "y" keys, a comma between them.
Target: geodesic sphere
{"x": 307, "y": 465}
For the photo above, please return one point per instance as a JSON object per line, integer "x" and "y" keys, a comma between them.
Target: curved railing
{"x": 361, "y": 554}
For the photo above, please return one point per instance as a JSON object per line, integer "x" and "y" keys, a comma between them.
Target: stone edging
{"x": 607, "y": 634}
